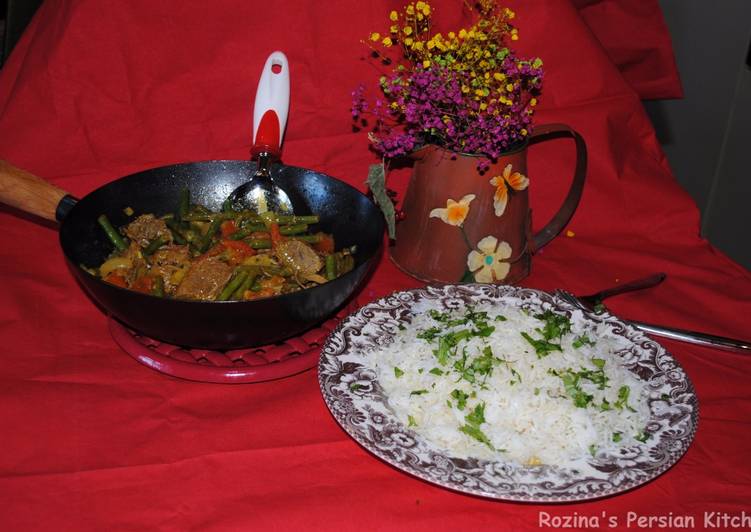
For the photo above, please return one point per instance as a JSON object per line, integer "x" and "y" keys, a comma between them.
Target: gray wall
{"x": 707, "y": 134}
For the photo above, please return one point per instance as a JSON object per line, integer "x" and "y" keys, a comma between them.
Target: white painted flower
{"x": 487, "y": 262}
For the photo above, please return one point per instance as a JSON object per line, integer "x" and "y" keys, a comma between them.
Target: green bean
{"x": 192, "y": 236}
{"x": 265, "y": 243}
{"x": 292, "y": 219}
{"x": 154, "y": 245}
{"x": 330, "y": 267}
{"x": 205, "y": 242}
{"x": 211, "y": 216}
{"x": 273, "y": 270}
{"x": 259, "y": 243}
{"x": 252, "y": 225}
{"x": 286, "y": 230}
{"x": 246, "y": 232}
{"x": 310, "y": 239}
{"x": 199, "y": 217}
{"x": 183, "y": 205}
{"x": 177, "y": 234}
{"x": 239, "y": 235}
{"x": 248, "y": 216}
{"x": 246, "y": 284}
{"x": 289, "y": 230}
{"x": 158, "y": 289}
{"x": 112, "y": 233}
{"x": 232, "y": 285}
{"x": 200, "y": 210}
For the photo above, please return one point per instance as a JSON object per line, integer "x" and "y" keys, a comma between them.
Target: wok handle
{"x": 271, "y": 106}
{"x": 29, "y": 193}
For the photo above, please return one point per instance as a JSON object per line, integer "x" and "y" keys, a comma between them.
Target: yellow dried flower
{"x": 478, "y": 59}
{"x": 423, "y": 7}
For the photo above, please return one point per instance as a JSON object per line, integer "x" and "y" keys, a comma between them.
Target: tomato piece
{"x": 217, "y": 249}
{"x": 276, "y": 235}
{"x": 275, "y": 282}
{"x": 326, "y": 245}
{"x": 263, "y": 292}
{"x": 228, "y": 228}
{"x": 116, "y": 279}
{"x": 238, "y": 250}
{"x": 238, "y": 245}
{"x": 143, "y": 284}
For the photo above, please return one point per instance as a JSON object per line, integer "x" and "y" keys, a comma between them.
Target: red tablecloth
{"x": 93, "y": 440}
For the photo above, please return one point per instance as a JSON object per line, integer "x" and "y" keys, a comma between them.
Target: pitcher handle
{"x": 545, "y": 132}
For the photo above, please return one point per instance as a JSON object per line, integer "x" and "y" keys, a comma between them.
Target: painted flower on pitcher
{"x": 455, "y": 212}
{"x": 487, "y": 263}
{"x": 515, "y": 180}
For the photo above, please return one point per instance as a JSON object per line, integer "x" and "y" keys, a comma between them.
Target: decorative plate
{"x": 365, "y": 413}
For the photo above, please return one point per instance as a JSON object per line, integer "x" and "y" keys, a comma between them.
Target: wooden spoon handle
{"x": 25, "y": 191}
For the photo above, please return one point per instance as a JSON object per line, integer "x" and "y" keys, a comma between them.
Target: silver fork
{"x": 591, "y": 303}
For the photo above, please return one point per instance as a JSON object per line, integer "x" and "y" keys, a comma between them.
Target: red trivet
{"x": 256, "y": 364}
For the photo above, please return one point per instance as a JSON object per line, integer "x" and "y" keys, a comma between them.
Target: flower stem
{"x": 466, "y": 240}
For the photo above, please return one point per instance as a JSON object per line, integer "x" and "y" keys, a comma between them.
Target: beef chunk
{"x": 205, "y": 279}
{"x": 146, "y": 228}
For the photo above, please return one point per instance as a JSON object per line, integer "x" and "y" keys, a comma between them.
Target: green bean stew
{"x": 195, "y": 253}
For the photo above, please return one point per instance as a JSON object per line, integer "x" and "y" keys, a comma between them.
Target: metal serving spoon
{"x": 593, "y": 302}
{"x": 261, "y": 193}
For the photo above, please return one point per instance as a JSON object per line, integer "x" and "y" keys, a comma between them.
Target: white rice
{"x": 529, "y": 417}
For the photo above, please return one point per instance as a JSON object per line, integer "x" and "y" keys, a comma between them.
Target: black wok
{"x": 344, "y": 212}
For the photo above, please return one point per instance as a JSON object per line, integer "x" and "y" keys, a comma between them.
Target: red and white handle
{"x": 271, "y": 106}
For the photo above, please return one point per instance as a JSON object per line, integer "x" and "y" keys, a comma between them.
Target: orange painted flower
{"x": 515, "y": 180}
{"x": 455, "y": 212}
